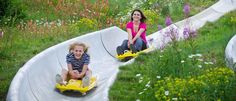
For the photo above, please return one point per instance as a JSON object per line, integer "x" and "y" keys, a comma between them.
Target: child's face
{"x": 78, "y": 51}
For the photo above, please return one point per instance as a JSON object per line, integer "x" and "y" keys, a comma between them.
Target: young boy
{"x": 77, "y": 63}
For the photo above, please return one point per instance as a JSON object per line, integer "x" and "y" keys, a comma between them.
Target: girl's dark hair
{"x": 143, "y": 18}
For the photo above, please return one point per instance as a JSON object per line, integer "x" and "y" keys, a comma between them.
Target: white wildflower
{"x": 148, "y": 84}
{"x": 206, "y": 63}
{"x": 138, "y": 75}
{"x": 198, "y": 55}
{"x": 200, "y": 59}
{"x": 190, "y": 56}
{"x": 211, "y": 63}
{"x": 166, "y": 92}
{"x": 158, "y": 77}
{"x": 140, "y": 93}
{"x": 140, "y": 81}
{"x": 174, "y": 99}
{"x": 200, "y": 66}
{"x": 141, "y": 78}
{"x": 182, "y": 61}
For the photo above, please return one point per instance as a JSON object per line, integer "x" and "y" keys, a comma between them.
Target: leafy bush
{"x": 211, "y": 85}
{"x": 11, "y": 11}
{"x": 152, "y": 17}
{"x": 85, "y": 24}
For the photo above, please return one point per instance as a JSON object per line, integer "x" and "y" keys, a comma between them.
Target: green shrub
{"x": 152, "y": 17}
{"x": 213, "y": 84}
{"x": 85, "y": 24}
{"x": 11, "y": 11}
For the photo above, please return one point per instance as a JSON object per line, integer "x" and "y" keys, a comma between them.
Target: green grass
{"x": 20, "y": 44}
{"x": 210, "y": 42}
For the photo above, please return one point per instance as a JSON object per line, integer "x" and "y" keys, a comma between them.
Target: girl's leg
{"x": 88, "y": 73}
{"x": 138, "y": 44}
{"x": 124, "y": 46}
{"x": 62, "y": 79}
{"x": 64, "y": 74}
{"x": 86, "y": 78}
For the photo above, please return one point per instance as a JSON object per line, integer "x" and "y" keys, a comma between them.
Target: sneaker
{"x": 119, "y": 50}
{"x": 133, "y": 48}
{"x": 86, "y": 81}
{"x": 59, "y": 80}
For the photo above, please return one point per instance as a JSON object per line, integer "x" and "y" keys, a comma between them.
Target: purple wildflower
{"x": 172, "y": 33}
{"x": 162, "y": 47}
{"x": 193, "y": 33}
{"x": 168, "y": 21}
{"x": 186, "y": 32}
{"x": 159, "y": 27}
{"x": 175, "y": 34}
{"x": 186, "y": 9}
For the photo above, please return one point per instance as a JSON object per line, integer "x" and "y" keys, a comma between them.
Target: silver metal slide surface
{"x": 35, "y": 81}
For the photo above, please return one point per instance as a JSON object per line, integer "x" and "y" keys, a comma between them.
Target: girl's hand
{"x": 128, "y": 44}
{"x": 75, "y": 71}
{"x": 79, "y": 75}
{"x": 71, "y": 72}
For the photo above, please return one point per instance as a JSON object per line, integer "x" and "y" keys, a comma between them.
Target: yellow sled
{"x": 76, "y": 85}
{"x": 129, "y": 54}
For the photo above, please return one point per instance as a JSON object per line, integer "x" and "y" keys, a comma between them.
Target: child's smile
{"x": 78, "y": 51}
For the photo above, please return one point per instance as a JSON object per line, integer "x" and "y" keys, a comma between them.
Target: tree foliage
{"x": 11, "y": 10}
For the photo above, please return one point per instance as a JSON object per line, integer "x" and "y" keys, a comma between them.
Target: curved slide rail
{"x": 230, "y": 53}
{"x": 35, "y": 81}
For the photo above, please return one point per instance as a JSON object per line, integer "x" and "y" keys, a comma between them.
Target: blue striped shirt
{"x": 77, "y": 64}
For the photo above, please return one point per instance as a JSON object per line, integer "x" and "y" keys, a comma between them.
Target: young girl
{"x": 136, "y": 29}
{"x": 77, "y": 63}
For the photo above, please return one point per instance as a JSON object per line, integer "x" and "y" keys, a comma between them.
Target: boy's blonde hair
{"x": 72, "y": 46}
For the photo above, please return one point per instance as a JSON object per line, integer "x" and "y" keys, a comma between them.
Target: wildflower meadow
{"x": 189, "y": 69}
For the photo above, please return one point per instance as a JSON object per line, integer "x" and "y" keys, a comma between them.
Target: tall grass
{"x": 198, "y": 74}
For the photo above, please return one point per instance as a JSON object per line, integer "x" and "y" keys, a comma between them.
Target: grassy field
{"x": 48, "y": 22}
{"x": 192, "y": 70}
